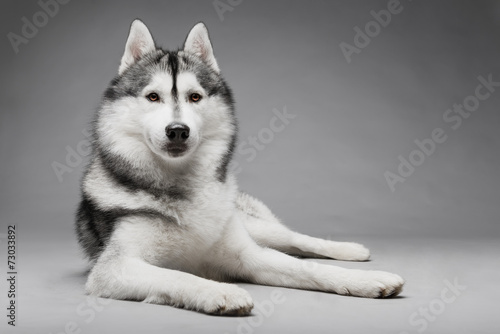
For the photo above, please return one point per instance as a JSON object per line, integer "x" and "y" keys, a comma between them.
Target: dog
{"x": 161, "y": 218}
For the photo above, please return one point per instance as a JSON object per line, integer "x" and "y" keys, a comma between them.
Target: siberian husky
{"x": 161, "y": 218}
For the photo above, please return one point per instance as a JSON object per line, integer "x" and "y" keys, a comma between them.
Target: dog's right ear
{"x": 139, "y": 43}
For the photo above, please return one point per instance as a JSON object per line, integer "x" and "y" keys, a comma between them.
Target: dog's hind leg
{"x": 242, "y": 258}
{"x": 120, "y": 274}
{"x": 268, "y": 231}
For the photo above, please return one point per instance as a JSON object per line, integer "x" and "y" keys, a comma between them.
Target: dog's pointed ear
{"x": 139, "y": 43}
{"x": 198, "y": 43}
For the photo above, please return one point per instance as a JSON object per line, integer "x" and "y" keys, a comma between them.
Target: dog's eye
{"x": 195, "y": 97}
{"x": 153, "y": 97}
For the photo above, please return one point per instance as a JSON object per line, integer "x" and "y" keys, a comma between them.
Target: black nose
{"x": 177, "y": 132}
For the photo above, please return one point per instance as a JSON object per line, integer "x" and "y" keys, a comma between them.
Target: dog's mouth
{"x": 175, "y": 150}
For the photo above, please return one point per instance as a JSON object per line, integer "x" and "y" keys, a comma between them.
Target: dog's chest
{"x": 200, "y": 223}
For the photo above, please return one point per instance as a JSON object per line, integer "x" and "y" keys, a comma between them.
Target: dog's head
{"x": 167, "y": 104}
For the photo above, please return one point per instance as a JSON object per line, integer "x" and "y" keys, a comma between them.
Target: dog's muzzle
{"x": 177, "y": 134}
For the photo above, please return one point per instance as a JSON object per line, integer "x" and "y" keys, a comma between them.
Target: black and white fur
{"x": 161, "y": 218}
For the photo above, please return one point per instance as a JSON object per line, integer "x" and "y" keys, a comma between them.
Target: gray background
{"x": 323, "y": 174}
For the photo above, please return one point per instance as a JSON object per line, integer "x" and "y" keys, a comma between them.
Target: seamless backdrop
{"x": 324, "y": 173}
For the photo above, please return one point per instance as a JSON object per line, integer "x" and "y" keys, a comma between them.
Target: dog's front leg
{"x": 244, "y": 259}
{"x": 123, "y": 271}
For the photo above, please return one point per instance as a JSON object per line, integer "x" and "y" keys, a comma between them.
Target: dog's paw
{"x": 348, "y": 251}
{"x": 226, "y": 299}
{"x": 370, "y": 284}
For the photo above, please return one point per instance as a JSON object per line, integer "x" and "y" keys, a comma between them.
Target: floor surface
{"x": 354, "y": 120}
{"x": 52, "y": 300}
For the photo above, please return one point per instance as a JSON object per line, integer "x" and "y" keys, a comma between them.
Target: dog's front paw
{"x": 226, "y": 299}
{"x": 347, "y": 251}
{"x": 370, "y": 284}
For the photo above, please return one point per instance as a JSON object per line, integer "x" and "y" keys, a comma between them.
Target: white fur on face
{"x": 211, "y": 112}
{"x": 135, "y": 123}
{"x": 118, "y": 129}
{"x": 160, "y": 114}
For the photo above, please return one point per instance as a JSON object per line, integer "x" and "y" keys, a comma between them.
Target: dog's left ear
{"x": 139, "y": 43}
{"x": 198, "y": 43}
